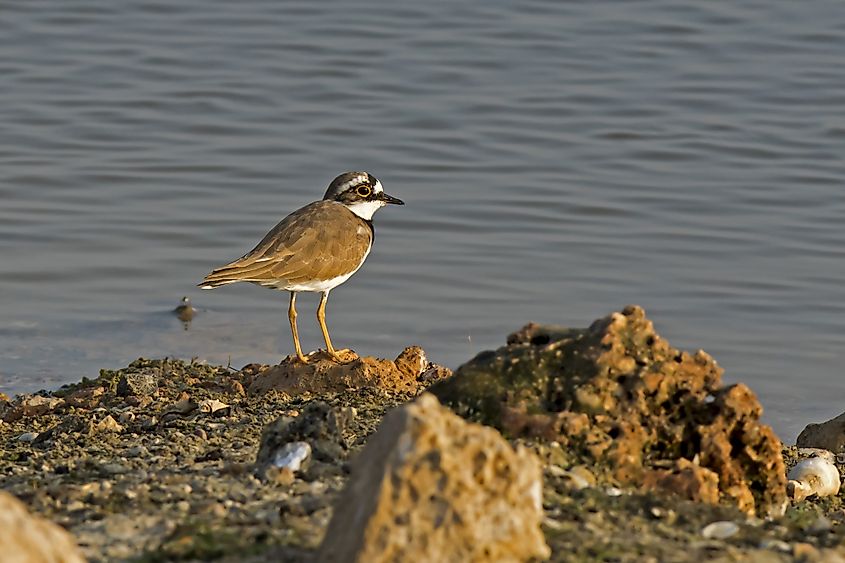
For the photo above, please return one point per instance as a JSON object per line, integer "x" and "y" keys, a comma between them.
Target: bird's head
{"x": 361, "y": 193}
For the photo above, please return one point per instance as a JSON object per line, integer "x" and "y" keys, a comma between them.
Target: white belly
{"x": 324, "y": 285}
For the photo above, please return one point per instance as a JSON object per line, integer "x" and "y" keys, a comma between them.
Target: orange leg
{"x": 293, "y": 329}
{"x": 321, "y": 318}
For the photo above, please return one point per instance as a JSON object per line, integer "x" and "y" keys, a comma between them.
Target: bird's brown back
{"x": 320, "y": 241}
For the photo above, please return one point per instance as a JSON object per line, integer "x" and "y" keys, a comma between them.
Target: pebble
{"x": 200, "y": 433}
{"x": 820, "y": 526}
{"x": 237, "y": 388}
{"x": 816, "y": 452}
{"x": 775, "y": 545}
{"x": 720, "y": 530}
{"x": 292, "y": 455}
{"x": 805, "y": 552}
{"x": 114, "y": 469}
{"x": 108, "y": 424}
{"x": 577, "y": 478}
{"x": 136, "y": 451}
{"x": 216, "y": 509}
{"x": 139, "y": 384}
{"x": 282, "y": 476}
{"x": 75, "y": 505}
{"x": 27, "y": 437}
{"x": 148, "y": 422}
{"x": 215, "y": 407}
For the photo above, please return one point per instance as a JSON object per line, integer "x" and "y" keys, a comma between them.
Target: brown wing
{"x": 320, "y": 241}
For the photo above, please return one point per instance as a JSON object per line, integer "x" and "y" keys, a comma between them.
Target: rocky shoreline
{"x": 643, "y": 455}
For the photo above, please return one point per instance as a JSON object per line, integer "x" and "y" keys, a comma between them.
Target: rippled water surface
{"x": 558, "y": 161}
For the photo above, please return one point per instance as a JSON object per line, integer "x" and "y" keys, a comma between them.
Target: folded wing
{"x": 320, "y": 241}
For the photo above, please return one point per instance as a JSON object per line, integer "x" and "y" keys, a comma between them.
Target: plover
{"x": 316, "y": 248}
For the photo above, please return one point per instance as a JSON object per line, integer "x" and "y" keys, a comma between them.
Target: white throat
{"x": 365, "y": 209}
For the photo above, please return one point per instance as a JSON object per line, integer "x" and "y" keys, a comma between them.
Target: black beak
{"x": 389, "y": 199}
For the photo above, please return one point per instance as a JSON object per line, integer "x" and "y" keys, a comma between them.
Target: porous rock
{"x": 141, "y": 383}
{"x": 70, "y": 425}
{"x": 685, "y": 479}
{"x": 828, "y": 435}
{"x": 86, "y": 398}
{"x": 431, "y": 487}
{"x": 619, "y": 394}
{"x": 31, "y": 406}
{"x": 28, "y": 538}
{"x": 409, "y": 372}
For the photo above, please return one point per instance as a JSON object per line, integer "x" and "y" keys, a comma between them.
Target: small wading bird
{"x": 315, "y": 248}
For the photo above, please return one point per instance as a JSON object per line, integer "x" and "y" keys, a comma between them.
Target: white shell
{"x": 813, "y": 476}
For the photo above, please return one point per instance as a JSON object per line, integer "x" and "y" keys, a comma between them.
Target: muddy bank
{"x": 157, "y": 462}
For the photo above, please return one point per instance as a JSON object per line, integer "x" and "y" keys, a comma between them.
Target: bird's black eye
{"x": 363, "y": 191}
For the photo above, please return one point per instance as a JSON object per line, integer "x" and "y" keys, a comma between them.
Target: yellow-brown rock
{"x": 619, "y": 395}
{"x": 430, "y": 487}
{"x": 25, "y": 538}
{"x": 410, "y": 372}
{"x": 35, "y": 405}
{"x": 685, "y": 479}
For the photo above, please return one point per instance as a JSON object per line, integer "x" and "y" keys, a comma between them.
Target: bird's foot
{"x": 342, "y": 356}
{"x": 300, "y": 358}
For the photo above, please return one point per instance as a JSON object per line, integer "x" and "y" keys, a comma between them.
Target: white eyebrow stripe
{"x": 354, "y": 181}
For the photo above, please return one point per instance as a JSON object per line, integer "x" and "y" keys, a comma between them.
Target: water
{"x": 558, "y": 161}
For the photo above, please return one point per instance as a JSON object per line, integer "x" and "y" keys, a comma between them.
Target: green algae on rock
{"x": 620, "y": 395}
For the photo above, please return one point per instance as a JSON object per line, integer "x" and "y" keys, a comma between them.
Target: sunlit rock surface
{"x": 25, "y": 538}
{"x": 431, "y": 487}
{"x": 409, "y": 372}
{"x": 618, "y": 393}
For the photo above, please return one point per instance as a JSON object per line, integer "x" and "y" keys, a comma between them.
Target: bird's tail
{"x": 218, "y": 277}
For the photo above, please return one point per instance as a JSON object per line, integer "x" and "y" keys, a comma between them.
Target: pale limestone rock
{"x": 108, "y": 424}
{"x": 430, "y": 486}
{"x": 30, "y": 539}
